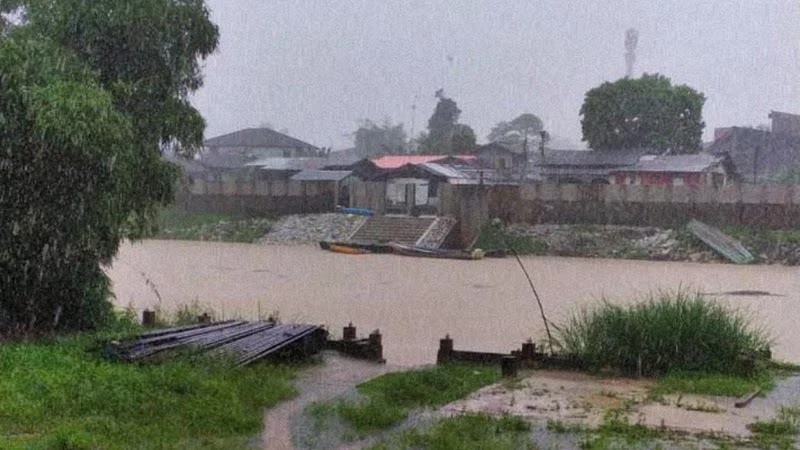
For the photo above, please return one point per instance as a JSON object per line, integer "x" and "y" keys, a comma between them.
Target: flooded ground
{"x": 484, "y": 305}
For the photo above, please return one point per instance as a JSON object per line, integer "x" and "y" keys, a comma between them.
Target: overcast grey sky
{"x": 317, "y": 67}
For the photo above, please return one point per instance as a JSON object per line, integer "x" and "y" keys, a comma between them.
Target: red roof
{"x": 395, "y": 161}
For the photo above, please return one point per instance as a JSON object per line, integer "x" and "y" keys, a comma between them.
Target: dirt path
{"x": 336, "y": 375}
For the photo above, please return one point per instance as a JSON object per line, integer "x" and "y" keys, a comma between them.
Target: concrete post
{"x": 349, "y": 332}
{"x": 148, "y": 318}
{"x": 445, "y": 350}
{"x": 509, "y": 366}
{"x": 528, "y": 351}
{"x": 376, "y": 345}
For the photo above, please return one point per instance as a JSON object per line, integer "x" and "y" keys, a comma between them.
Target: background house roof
{"x": 257, "y": 137}
{"x": 288, "y": 163}
{"x": 588, "y": 158}
{"x": 321, "y": 175}
{"x": 700, "y": 162}
{"x": 395, "y": 161}
{"x": 753, "y": 151}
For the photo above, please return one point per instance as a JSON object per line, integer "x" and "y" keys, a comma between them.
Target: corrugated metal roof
{"x": 700, "y": 162}
{"x": 584, "y": 158}
{"x": 288, "y": 163}
{"x": 445, "y": 171}
{"x": 395, "y": 161}
{"x": 257, "y": 137}
{"x": 321, "y": 175}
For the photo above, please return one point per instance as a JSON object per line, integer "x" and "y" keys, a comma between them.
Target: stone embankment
{"x": 312, "y": 228}
{"x": 660, "y": 244}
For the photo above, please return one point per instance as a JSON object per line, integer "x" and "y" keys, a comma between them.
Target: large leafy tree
{"x": 373, "y": 140}
{"x": 90, "y": 94}
{"x": 445, "y": 135}
{"x": 648, "y": 112}
{"x": 514, "y": 133}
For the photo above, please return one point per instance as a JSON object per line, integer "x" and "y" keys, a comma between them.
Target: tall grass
{"x": 668, "y": 331}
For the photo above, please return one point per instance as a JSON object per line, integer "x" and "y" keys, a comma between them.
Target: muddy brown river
{"x": 484, "y": 305}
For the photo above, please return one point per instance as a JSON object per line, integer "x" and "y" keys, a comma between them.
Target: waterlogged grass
{"x": 466, "y": 432}
{"x": 497, "y": 237}
{"x": 617, "y": 432}
{"x": 667, "y": 332}
{"x": 702, "y": 383}
{"x": 177, "y": 224}
{"x": 779, "y": 433}
{"x": 389, "y": 398}
{"x": 59, "y": 395}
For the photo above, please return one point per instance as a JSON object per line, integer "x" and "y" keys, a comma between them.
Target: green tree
{"x": 464, "y": 140}
{"x": 90, "y": 93}
{"x": 373, "y": 140}
{"x": 515, "y": 132}
{"x": 648, "y": 112}
{"x": 445, "y": 135}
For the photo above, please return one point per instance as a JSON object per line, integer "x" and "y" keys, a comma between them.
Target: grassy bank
{"x": 495, "y": 236}
{"x": 176, "y": 224}
{"x": 667, "y": 332}
{"x": 388, "y": 399}
{"x": 63, "y": 394}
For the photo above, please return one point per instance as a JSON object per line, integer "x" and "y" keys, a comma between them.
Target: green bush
{"x": 670, "y": 331}
{"x": 495, "y": 236}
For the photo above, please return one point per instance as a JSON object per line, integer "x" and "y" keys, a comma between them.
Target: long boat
{"x": 372, "y": 248}
{"x": 425, "y": 252}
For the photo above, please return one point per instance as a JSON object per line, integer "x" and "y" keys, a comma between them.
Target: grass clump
{"x": 669, "y": 331}
{"x": 495, "y": 236}
{"x": 58, "y": 394}
{"x": 389, "y": 398}
{"x": 703, "y": 383}
{"x": 780, "y": 432}
{"x": 466, "y": 432}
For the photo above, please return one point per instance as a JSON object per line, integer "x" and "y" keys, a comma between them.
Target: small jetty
{"x": 243, "y": 342}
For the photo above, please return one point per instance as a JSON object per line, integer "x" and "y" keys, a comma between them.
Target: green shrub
{"x": 669, "y": 331}
{"x": 495, "y": 236}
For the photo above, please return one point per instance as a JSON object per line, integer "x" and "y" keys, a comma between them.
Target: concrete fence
{"x": 257, "y": 197}
{"x": 749, "y": 205}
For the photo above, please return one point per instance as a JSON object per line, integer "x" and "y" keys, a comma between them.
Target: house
{"x": 414, "y": 188}
{"x": 761, "y": 155}
{"x": 584, "y": 166}
{"x": 259, "y": 143}
{"x": 700, "y": 169}
{"x": 500, "y": 157}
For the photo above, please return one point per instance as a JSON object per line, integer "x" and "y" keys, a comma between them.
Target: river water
{"x": 484, "y": 305}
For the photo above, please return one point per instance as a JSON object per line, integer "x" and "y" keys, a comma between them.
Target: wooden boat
{"x": 425, "y": 252}
{"x": 723, "y": 244}
{"x": 347, "y": 250}
{"x": 371, "y": 248}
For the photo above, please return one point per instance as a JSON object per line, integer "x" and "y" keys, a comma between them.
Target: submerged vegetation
{"x": 669, "y": 331}
{"x": 466, "y": 432}
{"x": 388, "y": 399}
